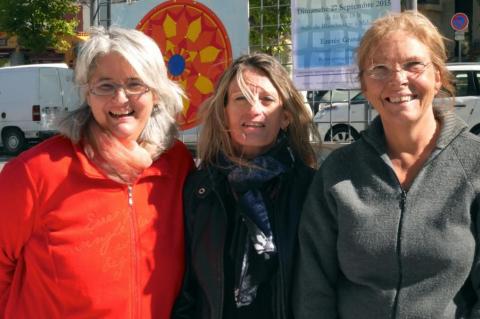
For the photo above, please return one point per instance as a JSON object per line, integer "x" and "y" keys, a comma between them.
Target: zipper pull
{"x": 130, "y": 195}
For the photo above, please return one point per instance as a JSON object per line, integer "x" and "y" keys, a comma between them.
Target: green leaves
{"x": 39, "y": 24}
{"x": 270, "y": 26}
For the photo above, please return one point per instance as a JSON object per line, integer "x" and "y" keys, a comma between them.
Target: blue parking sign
{"x": 459, "y": 21}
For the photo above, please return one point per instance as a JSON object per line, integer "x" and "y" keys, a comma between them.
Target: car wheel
{"x": 342, "y": 134}
{"x": 13, "y": 141}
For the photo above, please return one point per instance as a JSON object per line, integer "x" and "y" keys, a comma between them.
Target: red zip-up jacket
{"x": 75, "y": 244}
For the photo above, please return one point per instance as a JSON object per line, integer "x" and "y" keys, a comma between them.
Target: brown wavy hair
{"x": 214, "y": 137}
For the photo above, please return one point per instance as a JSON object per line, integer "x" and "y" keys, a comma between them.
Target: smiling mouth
{"x": 121, "y": 114}
{"x": 401, "y": 99}
{"x": 253, "y": 124}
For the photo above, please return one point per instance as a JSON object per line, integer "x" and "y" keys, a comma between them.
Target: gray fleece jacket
{"x": 369, "y": 249}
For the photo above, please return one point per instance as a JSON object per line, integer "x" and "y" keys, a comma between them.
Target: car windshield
{"x": 359, "y": 97}
{"x": 337, "y": 96}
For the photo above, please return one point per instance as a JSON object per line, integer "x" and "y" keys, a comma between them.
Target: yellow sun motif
{"x": 195, "y": 46}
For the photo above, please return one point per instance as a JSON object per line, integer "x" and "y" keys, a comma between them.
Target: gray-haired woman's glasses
{"x": 383, "y": 71}
{"x": 108, "y": 88}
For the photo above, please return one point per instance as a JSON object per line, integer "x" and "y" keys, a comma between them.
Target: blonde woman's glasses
{"x": 383, "y": 71}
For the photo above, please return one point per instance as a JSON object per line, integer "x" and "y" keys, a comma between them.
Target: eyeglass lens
{"x": 382, "y": 71}
{"x": 107, "y": 88}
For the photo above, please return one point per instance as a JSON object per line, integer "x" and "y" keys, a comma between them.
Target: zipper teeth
{"x": 403, "y": 200}
{"x": 134, "y": 251}
{"x": 130, "y": 195}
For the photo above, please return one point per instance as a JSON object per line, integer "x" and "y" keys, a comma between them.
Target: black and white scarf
{"x": 247, "y": 183}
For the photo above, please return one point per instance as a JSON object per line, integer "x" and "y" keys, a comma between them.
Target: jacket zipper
{"x": 220, "y": 276}
{"x": 134, "y": 251}
{"x": 279, "y": 308}
{"x": 130, "y": 195}
{"x": 403, "y": 200}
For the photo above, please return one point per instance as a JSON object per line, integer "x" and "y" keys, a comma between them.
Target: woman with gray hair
{"x": 92, "y": 222}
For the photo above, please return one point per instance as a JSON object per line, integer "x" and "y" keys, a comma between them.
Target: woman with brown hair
{"x": 242, "y": 207}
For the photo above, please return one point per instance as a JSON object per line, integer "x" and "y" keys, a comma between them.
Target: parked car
{"x": 343, "y": 119}
{"x": 315, "y": 98}
{"x": 467, "y": 97}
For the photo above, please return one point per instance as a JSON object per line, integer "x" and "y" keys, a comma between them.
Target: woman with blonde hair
{"x": 390, "y": 224}
{"x": 92, "y": 220}
{"x": 243, "y": 204}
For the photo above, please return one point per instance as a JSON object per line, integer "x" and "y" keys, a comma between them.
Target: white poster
{"x": 325, "y": 36}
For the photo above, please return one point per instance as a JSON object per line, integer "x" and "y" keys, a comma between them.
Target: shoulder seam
{"x": 459, "y": 159}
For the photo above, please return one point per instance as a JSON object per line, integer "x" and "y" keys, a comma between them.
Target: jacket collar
{"x": 452, "y": 126}
{"x": 158, "y": 168}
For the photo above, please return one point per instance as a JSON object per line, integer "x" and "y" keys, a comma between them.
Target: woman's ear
{"x": 286, "y": 119}
{"x": 87, "y": 98}
{"x": 155, "y": 98}
{"x": 438, "y": 81}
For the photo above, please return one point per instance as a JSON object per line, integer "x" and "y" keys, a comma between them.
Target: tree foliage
{"x": 38, "y": 24}
{"x": 270, "y": 26}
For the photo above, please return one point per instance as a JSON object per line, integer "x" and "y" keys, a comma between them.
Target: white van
{"x": 32, "y": 97}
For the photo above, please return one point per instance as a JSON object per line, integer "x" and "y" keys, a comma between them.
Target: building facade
{"x": 440, "y": 12}
{"x": 107, "y": 12}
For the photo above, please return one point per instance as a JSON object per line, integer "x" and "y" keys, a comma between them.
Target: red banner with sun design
{"x": 195, "y": 46}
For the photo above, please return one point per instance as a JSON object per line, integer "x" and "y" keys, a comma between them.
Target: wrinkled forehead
{"x": 396, "y": 47}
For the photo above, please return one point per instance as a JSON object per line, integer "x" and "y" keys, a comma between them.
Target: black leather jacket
{"x": 202, "y": 295}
